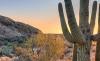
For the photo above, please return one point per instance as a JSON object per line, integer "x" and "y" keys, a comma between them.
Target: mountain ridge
{"x": 13, "y": 30}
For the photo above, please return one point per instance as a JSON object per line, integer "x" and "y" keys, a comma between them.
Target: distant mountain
{"x": 12, "y": 30}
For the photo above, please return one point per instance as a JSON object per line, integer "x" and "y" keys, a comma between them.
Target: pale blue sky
{"x": 40, "y": 12}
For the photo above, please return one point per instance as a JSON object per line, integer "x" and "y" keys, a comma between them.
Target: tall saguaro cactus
{"x": 79, "y": 36}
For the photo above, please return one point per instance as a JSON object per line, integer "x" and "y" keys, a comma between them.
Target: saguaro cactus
{"x": 79, "y": 36}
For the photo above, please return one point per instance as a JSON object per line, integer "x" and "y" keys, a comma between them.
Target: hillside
{"x": 12, "y": 30}
{"x": 14, "y": 33}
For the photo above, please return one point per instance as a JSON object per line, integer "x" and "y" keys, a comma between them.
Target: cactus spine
{"x": 79, "y": 36}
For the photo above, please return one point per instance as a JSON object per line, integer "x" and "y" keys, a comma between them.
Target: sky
{"x": 42, "y": 14}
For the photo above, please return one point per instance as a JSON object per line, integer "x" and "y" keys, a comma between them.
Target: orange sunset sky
{"x": 42, "y": 14}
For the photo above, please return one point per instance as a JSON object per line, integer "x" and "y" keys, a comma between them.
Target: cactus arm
{"x": 75, "y": 31}
{"x": 66, "y": 33}
{"x": 84, "y": 13}
{"x": 93, "y": 16}
{"x": 98, "y": 39}
{"x": 84, "y": 17}
{"x": 65, "y": 30}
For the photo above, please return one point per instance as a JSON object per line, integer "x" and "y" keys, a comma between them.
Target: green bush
{"x": 6, "y": 50}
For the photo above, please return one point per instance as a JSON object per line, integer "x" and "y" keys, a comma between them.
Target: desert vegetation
{"x": 22, "y": 42}
{"x": 81, "y": 36}
{"x": 41, "y": 47}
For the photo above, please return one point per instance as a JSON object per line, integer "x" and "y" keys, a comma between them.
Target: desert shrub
{"x": 24, "y": 50}
{"x": 25, "y": 54}
{"x": 52, "y": 47}
{"x": 6, "y": 50}
{"x": 39, "y": 40}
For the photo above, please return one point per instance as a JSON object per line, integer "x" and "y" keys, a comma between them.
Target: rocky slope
{"x": 12, "y": 30}
{"x": 12, "y": 33}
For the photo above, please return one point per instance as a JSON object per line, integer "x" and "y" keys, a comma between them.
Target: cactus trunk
{"x": 75, "y": 52}
{"x": 83, "y": 51}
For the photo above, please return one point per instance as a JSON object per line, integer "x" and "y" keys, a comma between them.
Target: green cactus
{"x": 93, "y": 16}
{"x": 79, "y": 36}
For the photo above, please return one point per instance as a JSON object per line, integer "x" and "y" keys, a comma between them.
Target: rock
{"x": 13, "y": 31}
